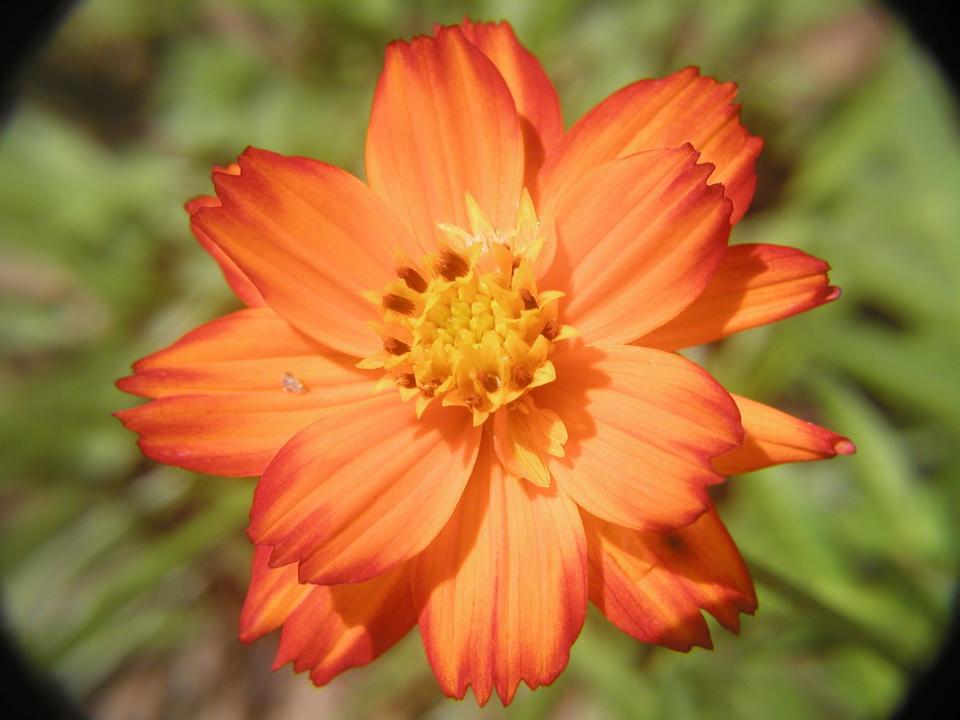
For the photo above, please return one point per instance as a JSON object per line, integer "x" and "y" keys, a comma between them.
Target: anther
{"x": 522, "y": 377}
{"x": 412, "y": 278}
{"x": 550, "y": 330}
{"x": 490, "y": 383}
{"x": 397, "y": 303}
{"x": 529, "y": 301}
{"x": 395, "y": 347}
{"x": 473, "y": 402}
{"x": 451, "y": 266}
{"x": 407, "y": 380}
{"x": 429, "y": 388}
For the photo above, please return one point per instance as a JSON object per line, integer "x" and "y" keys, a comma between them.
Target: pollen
{"x": 467, "y": 325}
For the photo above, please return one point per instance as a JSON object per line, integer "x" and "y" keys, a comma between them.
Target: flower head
{"x": 458, "y": 380}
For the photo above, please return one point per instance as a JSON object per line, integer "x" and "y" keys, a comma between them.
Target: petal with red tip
{"x": 643, "y": 426}
{"x": 773, "y": 437}
{"x": 311, "y": 238}
{"x": 653, "y": 585}
{"x": 664, "y": 113}
{"x": 326, "y": 629}
{"x": 538, "y": 104}
{"x": 638, "y": 240}
{"x": 503, "y": 587}
{"x": 364, "y": 489}
{"x": 444, "y": 124}
{"x": 753, "y": 285}
{"x": 231, "y": 393}
{"x": 238, "y": 282}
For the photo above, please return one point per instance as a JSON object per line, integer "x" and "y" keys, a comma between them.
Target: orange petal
{"x": 754, "y": 285}
{"x": 238, "y": 282}
{"x": 326, "y": 629}
{"x": 653, "y": 585}
{"x": 773, "y": 437}
{"x": 311, "y": 238}
{"x": 233, "y": 391}
{"x": 443, "y": 124}
{"x": 538, "y": 104}
{"x": 503, "y": 586}
{"x": 363, "y": 489}
{"x": 638, "y": 240}
{"x": 273, "y": 594}
{"x": 643, "y": 427}
{"x": 665, "y": 113}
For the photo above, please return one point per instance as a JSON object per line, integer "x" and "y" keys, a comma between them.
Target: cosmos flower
{"x": 458, "y": 380}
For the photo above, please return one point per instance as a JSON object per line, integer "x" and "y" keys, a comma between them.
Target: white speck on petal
{"x": 292, "y": 384}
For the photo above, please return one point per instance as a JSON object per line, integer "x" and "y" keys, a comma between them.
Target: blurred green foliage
{"x": 120, "y": 576}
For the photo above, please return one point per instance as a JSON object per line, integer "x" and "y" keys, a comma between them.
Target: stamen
{"x": 490, "y": 383}
{"x": 451, "y": 266}
{"x": 522, "y": 377}
{"x": 529, "y": 301}
{"x": 398, "y": 303}
{"x": 461, "y": 327}
{"x": 428, "y": 389}
{"x": 395, "y": 347}
{"x": 412, "y": 278}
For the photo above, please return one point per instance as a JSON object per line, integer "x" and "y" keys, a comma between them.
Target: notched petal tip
{"x": 684, "y": 107}
{"x": 653, "y": 586}
{"x": 121, "y": 414}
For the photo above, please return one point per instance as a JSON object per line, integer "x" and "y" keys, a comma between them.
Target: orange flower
{"x": 526, "y": 288}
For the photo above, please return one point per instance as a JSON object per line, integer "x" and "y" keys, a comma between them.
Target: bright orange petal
{"x": 233, "y": 391}
{"x": 503, "y": 586}
{"x": 444, "y": 124}
{"x": 311, "y": 238}
{"x": 326, "y": 629}
{"x": 252, "y": 350}
{"x": 238, "y": 282}
{"x": 534, "y": 95}
{"x": 638, "y": 240}
{"x": 665, "y": 113}
{"x": 773, "y": 437}
{"x": 754, "y": 285}
{"x": 273, "y": 594}
{"x": 653, "y": 585}
{"x": 363, "y": 489}
{"x": 643, "y": 427}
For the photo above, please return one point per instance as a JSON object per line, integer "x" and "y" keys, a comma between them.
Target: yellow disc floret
{"x": 467, "y": 325}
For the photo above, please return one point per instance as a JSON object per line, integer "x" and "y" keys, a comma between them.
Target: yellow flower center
{"x": 467, "y": 325}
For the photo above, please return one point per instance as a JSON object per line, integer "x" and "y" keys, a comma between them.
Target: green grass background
{"x": 123, "y": 578}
